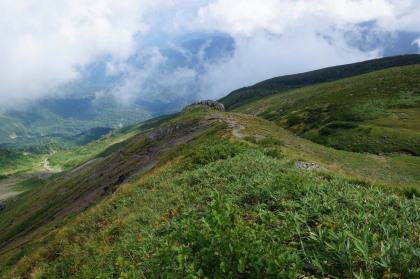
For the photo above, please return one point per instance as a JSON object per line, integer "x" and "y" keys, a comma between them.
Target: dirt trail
{"x": 233, "y": 124}
{"x": 50, "y": 169}
{"x": 236, "y": 128}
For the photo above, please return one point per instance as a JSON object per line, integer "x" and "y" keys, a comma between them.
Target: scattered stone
{"x": 309, "y": 166}
{"x": 204, "y": 103}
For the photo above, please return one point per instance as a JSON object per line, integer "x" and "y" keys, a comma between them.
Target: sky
{"x": 47, "y": 43}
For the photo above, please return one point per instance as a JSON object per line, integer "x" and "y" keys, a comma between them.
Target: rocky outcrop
{"x": 309, "y": 166}
{"x": 204, "y": 103}
{"x": 165, "y": 131}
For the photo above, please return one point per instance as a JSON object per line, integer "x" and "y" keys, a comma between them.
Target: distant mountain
{"x": 90, "y": 102}
{"x": 276, "y": 85}
{"x": 165, "y": 86}
{"x": 60, "y": 119}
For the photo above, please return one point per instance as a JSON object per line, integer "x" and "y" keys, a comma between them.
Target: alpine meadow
{"x": 320, "y": 181}
{"x": 252, "y": 139}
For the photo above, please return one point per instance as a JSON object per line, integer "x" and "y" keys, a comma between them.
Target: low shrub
{"x": 326, "y": 131}
{"x": 273, "y": 152}
{"x": 269, "y": 141}
{"x": 222, "y": 244}
{"x": 293, "y": 120}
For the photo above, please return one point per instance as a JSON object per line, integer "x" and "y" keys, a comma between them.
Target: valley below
{"x": 292, "y": 180}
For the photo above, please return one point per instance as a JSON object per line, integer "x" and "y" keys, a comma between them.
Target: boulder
{"x": 204, "y": 103}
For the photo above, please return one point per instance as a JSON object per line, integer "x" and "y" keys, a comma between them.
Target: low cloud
{"x": 264, "y": 56}
{"x": 47, "y": 43}
{"x": 44, "y": 44}
{"x": 136, "y": 80}
{"x": 417, "y": 42}
{"x": 148, "y": 78}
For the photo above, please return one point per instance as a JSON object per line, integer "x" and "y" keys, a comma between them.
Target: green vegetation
{"x": 75, "y": 156}
{"x": 65, "y": 122}
{"x": 87, "y": 136}
{"x": 106, "y": 145}
{"x": 276, "y": 85}
{"x": 13, "y": 162}
{"x": 30, "y": 215}
{"x": 396, "y": 170}
{"x": 376, "y": 113}
{"x": 223, "y": 208}
{"x": 212, "y": 194}
{"x": 17, "y": 166}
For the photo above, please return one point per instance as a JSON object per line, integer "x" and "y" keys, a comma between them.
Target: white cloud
{"x": 417, "y": 42}
{"x": 46, "y": 43}
{"x": 284, "y": 37}
{"x": 248, "y": 16}
{"x": 135, "y": 81}
{"x": 264, "y": 56}
{"x": 149, "y": 77}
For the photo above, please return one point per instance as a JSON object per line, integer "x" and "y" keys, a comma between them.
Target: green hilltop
{"x": 377, "y": 112}
{"x": 276, "y": 85}
{"x": 281, "y": 187}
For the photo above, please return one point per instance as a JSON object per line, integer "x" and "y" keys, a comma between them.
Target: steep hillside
{"x": 69, "y": 188}
{"x": 219, "y": 195}
{"x": 276, "y": 85}
{"x": 21, "y": 170}
{"x": 377, "y": 112}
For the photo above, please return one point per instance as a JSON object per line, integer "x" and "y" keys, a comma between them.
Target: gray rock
{"x": 309, "y": 166}
{"x": 204, "y": 103}
{"x": 2, "y": 206}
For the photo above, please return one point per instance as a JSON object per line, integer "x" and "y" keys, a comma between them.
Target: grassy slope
{"x": 178, "y": 196}
{"x": 36, "y": 205}
{"x": 398, "y": 170}
{"x": 377, "y": 112}
{"x": 13, "y": 162}
{"x": 275, "y": 85}
{"x": 75, "y": 156}
{"x": 35, "y": 213}
{"x": 19, "y": 169}
{"x": 221, "y": 204}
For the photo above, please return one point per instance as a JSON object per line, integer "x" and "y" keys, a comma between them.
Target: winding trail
{"x": 233, "y": 124}
{"x": 236, "y": 128}
{"x": 50, "y": 169}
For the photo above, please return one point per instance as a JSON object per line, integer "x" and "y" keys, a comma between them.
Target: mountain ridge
{"x": 211, "y": 163}
{"x": 218, "y": 194}
{"x": 275, "y": 85}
